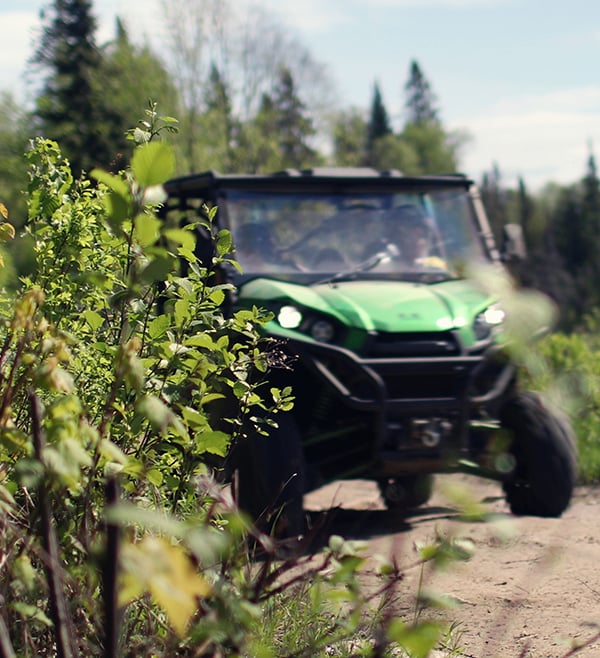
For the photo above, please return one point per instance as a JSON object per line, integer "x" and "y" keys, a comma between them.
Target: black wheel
{"x": 543, "y": 447}
{"x": 406, "y": 492}
{"x": 269, "y": 479}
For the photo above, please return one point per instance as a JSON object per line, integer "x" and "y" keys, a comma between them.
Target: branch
{"x": 109, "y": 578}
{"x": 6, "y": 647}
{"x": 63, "y": 625}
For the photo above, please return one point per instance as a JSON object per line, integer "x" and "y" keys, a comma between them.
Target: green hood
{"x": 390, "y": 306}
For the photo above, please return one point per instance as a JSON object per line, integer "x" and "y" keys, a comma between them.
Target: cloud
{"x": 445, "y": 4}
{"x": 17, "y": 35}
{"x": 309, "y": 15}
{"x": 547, "y": 137}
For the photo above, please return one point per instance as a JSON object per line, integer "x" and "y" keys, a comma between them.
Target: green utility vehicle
{"x": 395, "y": 356}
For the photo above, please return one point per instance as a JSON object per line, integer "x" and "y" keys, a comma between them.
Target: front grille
{"x": 442, "y": 385}
{"x": 385, "y": 344}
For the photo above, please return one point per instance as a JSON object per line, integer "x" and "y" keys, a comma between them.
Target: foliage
{"x": 121, "y": 383}
{"x": 569, "y": 373}
{"x": 68, "y": 108}
{"x": 13, "y": 168}
{"x": 127, "y": 73}
{"x": 349, "y": 131}
{"x": 257, "y": 66}
{"x": 13, "y": 179}
{"x": 378, "y": 126}
{"x": 101, "y": 381}
{"x": 421, "y": 101}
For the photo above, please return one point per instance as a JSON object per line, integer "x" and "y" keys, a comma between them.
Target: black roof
{"x": 326, "y": 178}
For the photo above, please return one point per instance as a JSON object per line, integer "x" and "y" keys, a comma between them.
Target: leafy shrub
{"x": 569, "y": 372}
{"x": 122, "y": 386}
{"x": 103, "y": 386}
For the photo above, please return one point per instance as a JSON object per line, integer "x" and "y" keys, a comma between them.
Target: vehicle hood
{"x": 392, "y": 306}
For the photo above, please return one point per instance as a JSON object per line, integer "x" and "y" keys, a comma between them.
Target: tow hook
{"x": 430, "y": 431}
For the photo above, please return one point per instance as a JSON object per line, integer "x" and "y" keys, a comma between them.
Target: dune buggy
{"x": 398, "y": 369}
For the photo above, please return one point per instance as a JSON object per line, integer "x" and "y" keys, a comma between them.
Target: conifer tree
{"x": 436, "y": 150}
{"x": 294, "y": 125}
{"x": 493, "y": 196}
{"x": 69, "y": 108}
{"x": 218, "y": 125}
{"x": 421, "y": 102}
{"x": 377, "y": 127}
{"x": 591, "y": 205}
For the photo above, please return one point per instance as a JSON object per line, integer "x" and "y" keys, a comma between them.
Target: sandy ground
{"x": 532, "y": 586}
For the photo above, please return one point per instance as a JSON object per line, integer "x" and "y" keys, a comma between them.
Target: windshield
{"x": 384, "y": 234}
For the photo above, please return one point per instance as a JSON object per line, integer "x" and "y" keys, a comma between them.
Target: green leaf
{"x": 182, "y": 311}
{"x": 153, "y": 163}
{"x": 155, "y": 477}
{"x": 166, "y": 571}
{"x": 29, "y": 472}
{"x": 31, "y": 613}
{"x": 115, "y": 183}
{"x": 217, "y": 297}
{"x": 201, "y": 340}
{"x": 112, "y": 452}
{"x": 95, "y": 320}
{"x": 118, "y": 209}
{"x": 14, "y": 439}
{"x": 157, "y": 269}
{"x": 159, "y": 326}
{"x": 147, "y": 229}
{"x": 216, "y": 443}
{"x": 182, "y": 237}
{"x": 224, "y": 242}
{"x": 418, "y": 640}
{"x": 24, "y": 571}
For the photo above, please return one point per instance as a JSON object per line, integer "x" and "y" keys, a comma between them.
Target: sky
{"x": 520, "y": 77}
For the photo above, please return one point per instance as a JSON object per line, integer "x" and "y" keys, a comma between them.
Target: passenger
{"x": 412, "y": 232}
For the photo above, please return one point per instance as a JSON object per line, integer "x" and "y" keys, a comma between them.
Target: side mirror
{"x": 513, "y": 244}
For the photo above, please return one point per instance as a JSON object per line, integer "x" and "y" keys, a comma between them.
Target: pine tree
{"x": 377, "y": 127}
{"x": 294, "y": 125}
{"x": 436, "y": 150}
{"x": 420, "y": 100}
{"x": 218, "y": 125}
{"x": 69, "y": 108}
{"x": 591, "y": 205}
{"x": 493, "y": 196}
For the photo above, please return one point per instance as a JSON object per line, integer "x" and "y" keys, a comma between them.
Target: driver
{"x": 413, "y": 233}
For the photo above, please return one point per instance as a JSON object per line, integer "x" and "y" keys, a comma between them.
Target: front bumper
{"x": 465, "y": 388}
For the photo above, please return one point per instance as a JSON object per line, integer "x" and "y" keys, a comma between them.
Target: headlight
{"x": 322, "y": 330}
{"x": 315, "y": 325}
{"x": 487, "y": 321}
{"x": 289, "y": 317}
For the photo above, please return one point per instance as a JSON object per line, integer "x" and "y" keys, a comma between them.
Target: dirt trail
{"x": 532, "y": 587}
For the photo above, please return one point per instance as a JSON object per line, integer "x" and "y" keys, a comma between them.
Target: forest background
{"x": 249, "y": 96}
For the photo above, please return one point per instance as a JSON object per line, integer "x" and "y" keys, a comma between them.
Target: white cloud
{"x": 17, "y": 34}
{"x": 309, "y": 15}
{"x": 449, "y": 4}
{"x": 549, "y": 142}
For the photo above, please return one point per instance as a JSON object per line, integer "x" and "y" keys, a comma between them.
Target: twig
{"x": 63, "y": 625}
{"x": 6, "y": 647}
{"x": 109, "y": 578}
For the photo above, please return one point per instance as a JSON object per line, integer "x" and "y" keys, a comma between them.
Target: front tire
{"x": 543, "y": 448}
{"x": 406, "y": 492}
{"x": 269, "y": 480}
